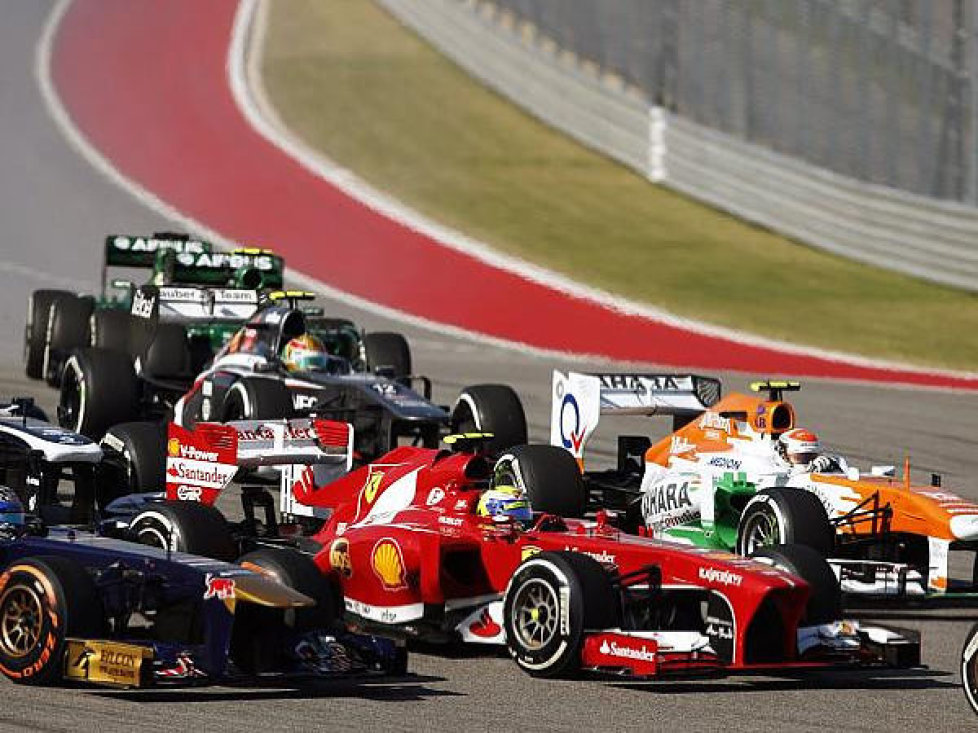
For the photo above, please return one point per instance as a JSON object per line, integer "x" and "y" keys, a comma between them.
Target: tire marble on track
{"x": 55, "y": 210}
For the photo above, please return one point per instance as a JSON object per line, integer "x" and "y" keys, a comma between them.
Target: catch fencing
{"x": 847, "y": 124}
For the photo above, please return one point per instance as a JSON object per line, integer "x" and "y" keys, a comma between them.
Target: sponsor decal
{"x": 461, "y": 504}
{"x": 730, "y": 464}
{"x": 142, "y": 305}
{"x": 265, "y": 434}
{"x": 603, "y": 557}
{"x": 529, "y": 551}
{"x": 209, "y": 475}
{"x": 435, "y": 496}
{"x": 105, "y": 662}
{"x": 485, "y": 627}
{"x": 225, "y": 260}
{"x": 679, "y": 445}
{"x": 719, "y": 628}
{"x": 665, "y": 498}
{"x": 571, "y": 430}
{"x": 339, "y": 558}
{"x": 722, "y": 577}
{"x": 303, "y": 401}
{"x": 451, "y": 521}
{"x": 614, "y": 649}
{"x": 183, "y": 669}
{"x": 189, "y": 493}
{"x": 173, "y": 447}
{"x": 714, "y": 421}
{"x": 372, "y": 485}
{"x": 152, "y": 244}
{"x": 235, "y": 296}
{"x": 182, "y": 295}
{"x": 388, "y": 564}
{"x": 194, "y": 454}
{"x": 662, "y": 524}
{"x": 384, "y": 389}
{"x": 220, "y": 588}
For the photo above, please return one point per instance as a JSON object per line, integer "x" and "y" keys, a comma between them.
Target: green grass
{"x": 352, "y": 82}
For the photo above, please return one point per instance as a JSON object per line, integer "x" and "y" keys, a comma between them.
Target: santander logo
{"x": 626, "y": 652}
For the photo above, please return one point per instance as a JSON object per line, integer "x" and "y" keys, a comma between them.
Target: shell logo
{"x": 388, "y": 564}
{"x": 173, "y": 447}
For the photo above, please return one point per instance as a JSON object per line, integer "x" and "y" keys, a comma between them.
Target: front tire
{"x": 969, "y": 667}
{"x": 141, "y": 448}
{"x": 43, "y": 602}
{"x": 68, "y": 329}
{"x": 825, "y": 602}
{"x": 387, "y": 351}
{"x": 545, "y": 590}
{"x": 185, "y": 526}
{"x": 785, "y": 517}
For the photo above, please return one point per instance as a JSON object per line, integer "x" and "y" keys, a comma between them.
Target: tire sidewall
{"x": 556, "y": 655}
{"x": 969, "y": 667}
{"x": 43, "y": 663}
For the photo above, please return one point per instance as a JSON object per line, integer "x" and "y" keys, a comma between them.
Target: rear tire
{"x": 549, "y": 475}
{"x": 44, "y": 601}
{"x": 36, "y": 331}
{"x": 68, "y": 329}
{"x": 185, "y": 526}
{"x": 110, "y": 330}
{"x": 785, "y": 517}
{"x": 383, "y": 350}
{"x": 141, "y": 447}
{"x": 533, "y": 608}
{"x": 491, "y": 408}
{"x": 98, "y": 390}
{"x": 254, "y": 398}
{"x": 825, "y": 603}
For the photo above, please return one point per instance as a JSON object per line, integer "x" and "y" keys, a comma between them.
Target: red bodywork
{"x": 410, "y": 553}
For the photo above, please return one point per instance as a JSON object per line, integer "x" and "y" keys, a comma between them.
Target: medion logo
{"x": 724, "y": 577}
{"x": 626, "y": 652}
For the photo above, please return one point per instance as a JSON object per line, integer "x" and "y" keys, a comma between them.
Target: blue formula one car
{"x": 77, "y": 605}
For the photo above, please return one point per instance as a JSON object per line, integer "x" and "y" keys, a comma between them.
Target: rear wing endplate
{"x": 579, "y": 400}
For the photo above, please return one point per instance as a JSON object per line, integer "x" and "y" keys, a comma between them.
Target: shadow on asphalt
{"x": 388, "y": 689}
{"x": 914, "y": 679}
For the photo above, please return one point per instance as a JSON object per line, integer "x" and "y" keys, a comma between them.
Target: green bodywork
{"x": 730, "y": 494}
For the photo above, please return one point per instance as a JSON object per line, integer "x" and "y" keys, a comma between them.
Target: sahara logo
{"x": 388, "y": 564}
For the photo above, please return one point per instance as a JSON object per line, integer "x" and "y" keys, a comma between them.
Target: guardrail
{"x": 916, "y": 235}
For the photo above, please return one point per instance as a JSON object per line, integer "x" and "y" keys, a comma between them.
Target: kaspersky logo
{"x": 611, "y": 649}
{"x": 723, "y": 577}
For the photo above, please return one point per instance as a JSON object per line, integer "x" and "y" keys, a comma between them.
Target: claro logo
{"x": 723, "y": 577}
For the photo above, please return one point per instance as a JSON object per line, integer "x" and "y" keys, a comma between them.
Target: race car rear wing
{"x": 243, "y": 268}
{"x": 204, "y": 460}
{"x": 579, "y": 400}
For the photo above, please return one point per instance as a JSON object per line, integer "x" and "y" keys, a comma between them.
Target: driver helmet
{"x": 799, "y": 446}
{"x": 505, "y": 501}
{"x": 304, "y": 353}
{"x": 12, "y": 520}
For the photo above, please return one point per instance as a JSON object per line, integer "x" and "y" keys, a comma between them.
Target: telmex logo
{"x": 626, "y": 652}
{"x": 723, "y": 577}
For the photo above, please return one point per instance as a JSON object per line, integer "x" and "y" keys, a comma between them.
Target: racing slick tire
{"x": 785, "y": 517}
{"x": 825, "y": 602}
{"x": 98, "y": 390}
{"x": 68, "y": 329}
{"x": 141, "y": 449}
{"x": 384, "y": 350}
{"x": 44, "y": 601}
{"x": 257, "y": 398}
{"x": 533, "y": 611}
{"x": 36, "y": 331}
{"x": 549, "y": 475}
{"x": 491, "y": 408}
{"x": 110, "y": 330}
{"x": 185, "y": 526}
{"x": 969, "y": 667}
{"x": 260, "y": 634}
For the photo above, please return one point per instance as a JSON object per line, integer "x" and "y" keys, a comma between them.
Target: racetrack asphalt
{"x": 55, "y": 210}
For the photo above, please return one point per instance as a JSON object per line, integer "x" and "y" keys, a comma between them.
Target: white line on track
{"x": 243, "y": 69}
{"x": 32, "y": 273}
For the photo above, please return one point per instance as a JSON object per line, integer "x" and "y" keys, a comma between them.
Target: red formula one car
{"x": 412, "y": 558}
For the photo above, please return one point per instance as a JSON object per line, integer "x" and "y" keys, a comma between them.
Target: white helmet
{"x": 800, "y": 446}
